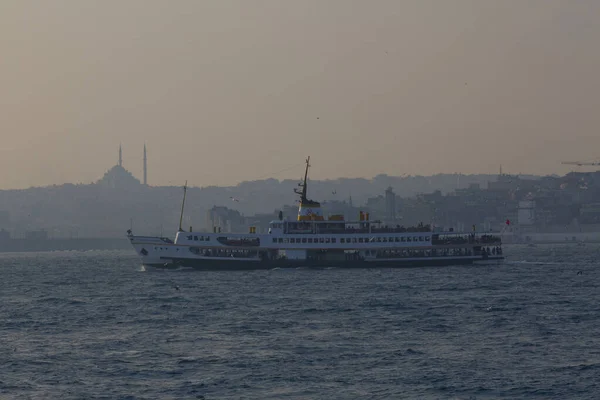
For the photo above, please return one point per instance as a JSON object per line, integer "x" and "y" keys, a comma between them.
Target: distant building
{"x": 590, "y": 213}
{"x": 4, "y": 235}
{"x": 36, "y": 235}
{"x": 376, "y": 207}
{"x": 145, "y": 167}
{"x": 118, "y": 178}
{"x": 224, "y": 219}
{"x": 504, "y": 183}
{"x": 390, "y": 204}
{"x": 4, "y": 218}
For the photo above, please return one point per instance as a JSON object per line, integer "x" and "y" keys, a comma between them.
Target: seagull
{"x": 233, "y": 198}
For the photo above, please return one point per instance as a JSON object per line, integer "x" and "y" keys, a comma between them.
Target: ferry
{"x": 314, "y": 241}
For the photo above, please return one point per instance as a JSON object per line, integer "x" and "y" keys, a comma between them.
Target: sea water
{"x": 97, "y": 325}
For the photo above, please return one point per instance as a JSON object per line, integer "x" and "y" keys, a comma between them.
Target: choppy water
{"x": 96, "y": 325}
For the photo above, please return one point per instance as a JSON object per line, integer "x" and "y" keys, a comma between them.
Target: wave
{"x": 521, "y": 262}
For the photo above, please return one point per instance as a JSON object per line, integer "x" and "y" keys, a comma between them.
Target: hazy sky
{"x": 223, "y": 91}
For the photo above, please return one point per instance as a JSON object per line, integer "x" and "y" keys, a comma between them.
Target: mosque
{"x": 119, "y": 178}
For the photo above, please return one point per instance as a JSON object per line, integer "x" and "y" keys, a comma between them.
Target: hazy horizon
{"x": 227, "y": 91}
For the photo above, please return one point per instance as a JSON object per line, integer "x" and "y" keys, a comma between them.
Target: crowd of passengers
{"x": 438, "y": 252}
{"x": 364, "y": 228}
{"x": 424, "y": 253}
{"x": 226, "y": 253}
{"x": 471, "y": 238}
{"x": 492, "y": 251}
{"x": 391, "y": 229}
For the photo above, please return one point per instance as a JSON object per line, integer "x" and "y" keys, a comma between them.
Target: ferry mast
{"x": 302, "y": 193}
{"x": 308, "y": 210}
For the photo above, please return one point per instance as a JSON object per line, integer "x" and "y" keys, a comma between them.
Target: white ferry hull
{"x": 155, "y": 252}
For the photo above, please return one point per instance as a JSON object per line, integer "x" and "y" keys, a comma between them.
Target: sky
{"x": 223, "y": 91}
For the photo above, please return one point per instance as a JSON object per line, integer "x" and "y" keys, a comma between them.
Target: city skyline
{"x": 225, "y": 92}
{"x": 142, "y": 176}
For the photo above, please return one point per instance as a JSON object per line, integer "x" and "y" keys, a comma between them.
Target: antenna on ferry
{"x": 182, "y": 205}
{"x": 303, "y": 184}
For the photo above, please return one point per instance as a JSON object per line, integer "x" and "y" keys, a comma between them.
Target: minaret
{"x": 120, "y": 157}
{"x": 145, "y": 167}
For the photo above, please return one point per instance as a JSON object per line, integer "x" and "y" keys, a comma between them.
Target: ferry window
{"x": 403, "y": 239}
{"x": 327, "y": 240}
{"x": 303, "y": 240}
{"x": 189, "y": 237}
{"x": 274, "y": 240}
{"x": 321, "y": 240}
{"x": 286, "y": 240}
{"x": 353, "y": 240}
{"x": 195, "y": 237}
{"x": 409, "y": 239}
{"x": 391, "y": 239}
{"x": 280, "y": 240}
{"x": 309, "y": 240}
{"x": 342, "y": 240}
{"x": 332, "y": 240}
{"x": 420, "y": 238}
{"x": 379, "y": 239}
{"x": 427, "y": 238}
{"x": 360, "y": 240}
{"x": 293, "y": 240}
{"x": 384, "y": 240}
{"x": 397, "y": 239}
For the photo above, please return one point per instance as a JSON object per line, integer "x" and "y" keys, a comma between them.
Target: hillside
{"x": 108, "y": 207}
